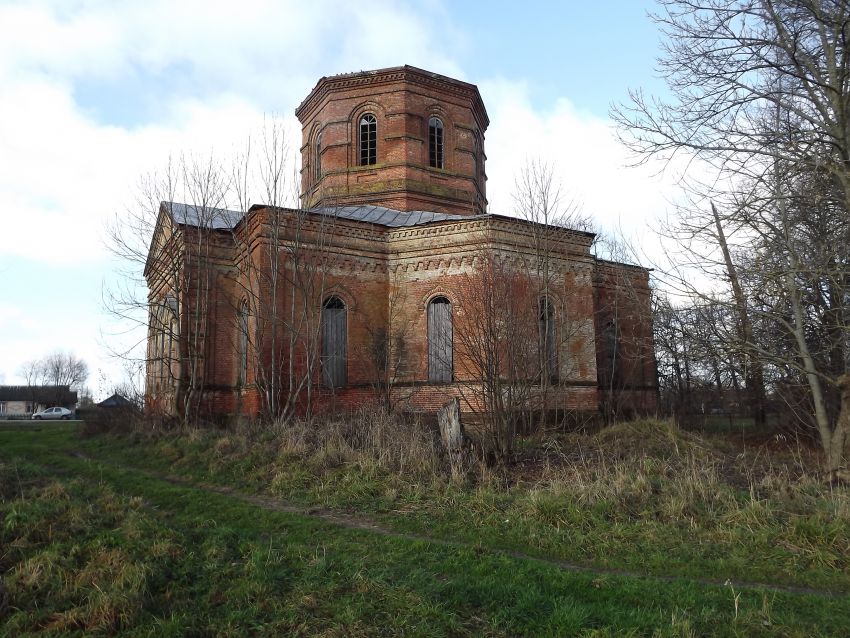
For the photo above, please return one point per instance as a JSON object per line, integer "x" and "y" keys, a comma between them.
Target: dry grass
{"x": 82, "y": 558}
{"x": 626, "y": 495}
{"x": 99, "y": 585}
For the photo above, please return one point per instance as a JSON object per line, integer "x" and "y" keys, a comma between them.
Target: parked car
{"x": 53, "y": 413}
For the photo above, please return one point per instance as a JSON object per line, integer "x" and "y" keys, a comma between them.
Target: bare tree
{"x": 64, "y": 368}
{"x": 497, "y": 343}
{"x": 55, "y": 370}
{"x": 259, "y": 271}
{"x": 175, "y": 247}
{"x": 759, "y": 99}
{"x": 32, "y": 372}
{"x": 261, "y": 279}
{"x": 539, "y": 199}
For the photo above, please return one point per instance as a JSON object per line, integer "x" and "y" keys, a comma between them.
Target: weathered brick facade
{"x": 403, "y": 100}
{"x": 246, "y": 299}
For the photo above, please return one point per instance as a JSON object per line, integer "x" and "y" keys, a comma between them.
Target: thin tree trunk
{"x": 755, "y": 376}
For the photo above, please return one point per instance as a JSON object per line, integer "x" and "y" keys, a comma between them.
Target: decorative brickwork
{"x": 402, "y": 100}
{"x": 284, "y": 266}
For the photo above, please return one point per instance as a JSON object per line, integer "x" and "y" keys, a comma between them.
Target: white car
{"x": 53, "y": 413}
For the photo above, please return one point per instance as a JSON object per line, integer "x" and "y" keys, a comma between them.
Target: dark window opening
{"x": 548, "y": 341}
{"x": 435, "y": 143}
{"x": 368, "y": 140}
{"x": 334, "y": 343}
{"x": 440, "y": 340}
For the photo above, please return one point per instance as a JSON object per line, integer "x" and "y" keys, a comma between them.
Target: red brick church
{"x": 392, "y": 283}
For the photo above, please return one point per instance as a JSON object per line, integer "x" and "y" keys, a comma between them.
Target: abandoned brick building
{"x": 391, "y": 282}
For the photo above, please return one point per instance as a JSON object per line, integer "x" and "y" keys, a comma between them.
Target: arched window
{"x": 368, "y": 140}
{"x": 547, "y": 340}
{"x": 317, "y": 168}
{"x": 243, "y": 343}
{"x": 435, "y": 143}
{"x": 440, "y": 340}
{"x": 334, "y": 343}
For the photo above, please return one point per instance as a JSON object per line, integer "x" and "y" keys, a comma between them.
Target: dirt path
{"x": 362, "y": 523}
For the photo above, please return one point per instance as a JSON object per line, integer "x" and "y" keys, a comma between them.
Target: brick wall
{"x": 285, "y": 264}
{"x": 402, "y": 99}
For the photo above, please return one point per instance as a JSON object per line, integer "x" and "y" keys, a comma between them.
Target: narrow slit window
{"x": 334, "y": 343}
{"x": 435, "y": 143}
{"x": 368, "y": 140}
{"x": 440, "y": 353}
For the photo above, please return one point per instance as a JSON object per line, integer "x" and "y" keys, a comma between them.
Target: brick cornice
{"x": 394, "y": 75}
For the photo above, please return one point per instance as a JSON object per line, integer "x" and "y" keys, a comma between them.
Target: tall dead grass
{"x": 651, "y": 471}
{"x": 366, "y": 439}
{"x": 643, "y": 470}
{"x": 388, "y": 441}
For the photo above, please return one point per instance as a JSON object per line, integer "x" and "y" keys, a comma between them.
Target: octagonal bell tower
{"x": 401, "y": 137}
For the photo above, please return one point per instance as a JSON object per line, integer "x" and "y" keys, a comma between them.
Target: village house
{"x": 392, "y": 282}
{"x": 19, "y": 401}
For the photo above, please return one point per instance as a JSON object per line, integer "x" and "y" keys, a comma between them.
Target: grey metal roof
{"x": 388, "y": 217}
{"x": 214, "y": 218}
{"x": 223, "y": 219}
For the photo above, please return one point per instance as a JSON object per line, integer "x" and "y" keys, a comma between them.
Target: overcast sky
{"x": 95, "y": 94}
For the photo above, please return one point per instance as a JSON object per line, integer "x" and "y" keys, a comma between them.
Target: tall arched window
{"x": 547, "y": 340}
{"x": 435, "y": 142}
{"x": 440, "y": 340}
{"x": 317, "y": 172}
{"x": 243, "y": 343}
{"x": 368, "y": 139}
{"x": 334, "y": 343}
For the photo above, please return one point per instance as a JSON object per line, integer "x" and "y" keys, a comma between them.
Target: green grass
{"x": 101, "y": 548}
{"x": 639, "y": 497}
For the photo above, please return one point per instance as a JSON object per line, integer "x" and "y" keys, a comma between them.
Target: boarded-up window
{"x": 547, "y": 340}
{"x": 334, "y": 340}
{"x": 243, "y": 343}
{"x": 440, "y": 340}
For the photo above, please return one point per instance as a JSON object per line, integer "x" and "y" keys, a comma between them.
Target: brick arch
{"x": 315, "y": 129}
{"x": 338, "y": 290}
{"x": 438, "y": 291}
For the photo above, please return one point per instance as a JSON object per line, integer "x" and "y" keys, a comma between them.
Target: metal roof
{"x": 214, "y": 218}
{"x": 53, "y": 394}
{"x": 224, "y": 219}
{"x": 388, "y": 217}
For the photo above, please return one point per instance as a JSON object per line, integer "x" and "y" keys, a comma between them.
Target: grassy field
{"x": 126, "y": 534}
